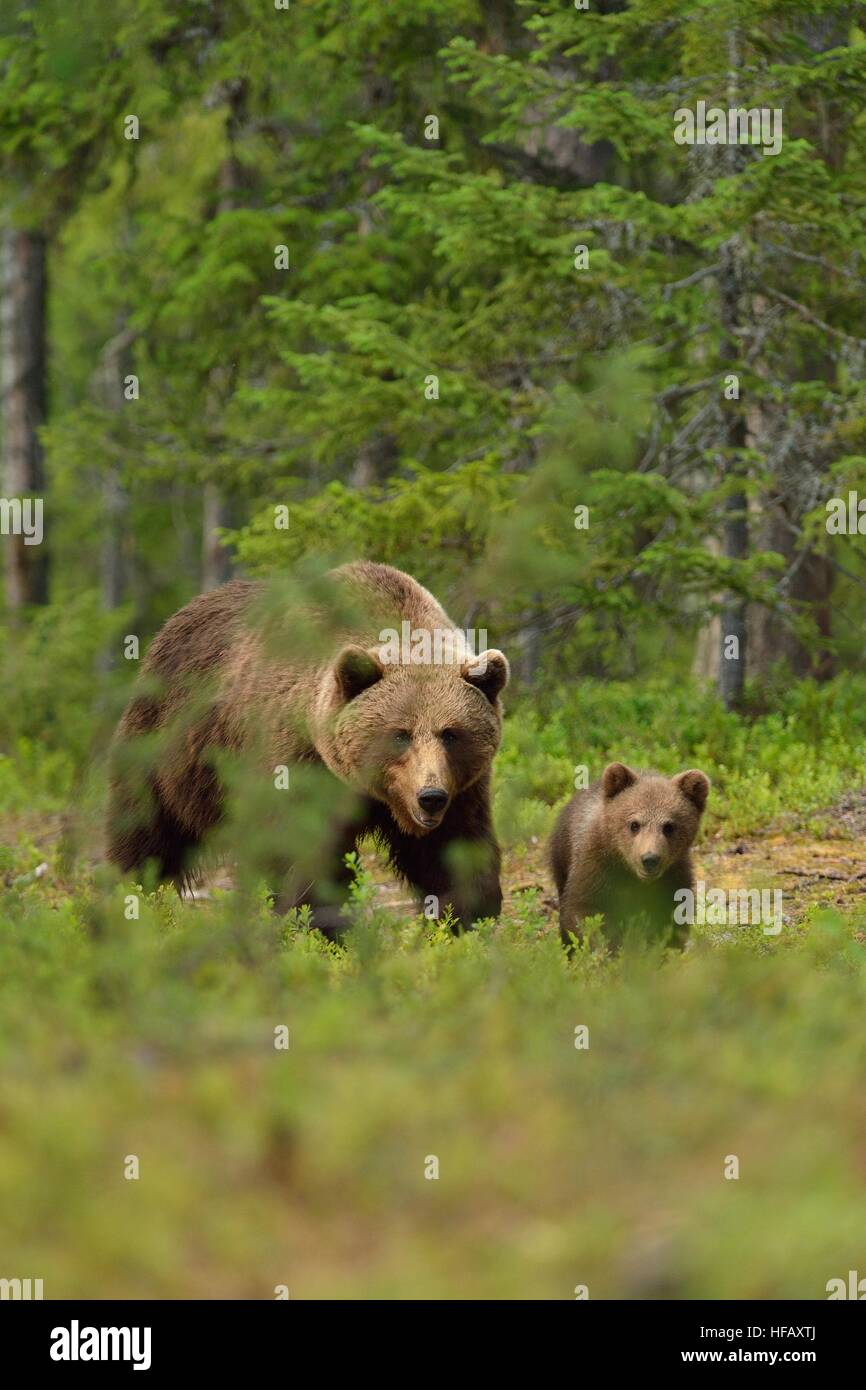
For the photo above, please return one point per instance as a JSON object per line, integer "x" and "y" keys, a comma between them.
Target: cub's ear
{"x": 695, "y": 785}
{"x": 355, "y": 670}
{"x": 615, "y": 778}
{"x": 488, "y": 672}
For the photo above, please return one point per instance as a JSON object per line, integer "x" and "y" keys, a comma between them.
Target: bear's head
{"x": 414, "y": 735}
{"x": 651, "y": 821}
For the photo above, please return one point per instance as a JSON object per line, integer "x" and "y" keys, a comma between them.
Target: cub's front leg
{"x": 574, "y": 906}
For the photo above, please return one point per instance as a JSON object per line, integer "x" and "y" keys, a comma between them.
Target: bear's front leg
{"x": 323, "y": 886}
{"x": 450, "y": 868}
{"x": 328, "y": 915}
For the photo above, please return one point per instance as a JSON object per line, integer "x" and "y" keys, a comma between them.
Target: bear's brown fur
{"x": 388, "y": 729}
{"x": 622, "y": 848}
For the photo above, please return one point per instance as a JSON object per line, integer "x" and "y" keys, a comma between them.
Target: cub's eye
{"x": 449, "y": 736}
{"x": 634, "y": 826}
{"x": 402, "y": 738}
{"x": 668, "y": 828}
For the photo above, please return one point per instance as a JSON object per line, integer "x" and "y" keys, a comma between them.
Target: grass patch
{"x": 794, "y": 759}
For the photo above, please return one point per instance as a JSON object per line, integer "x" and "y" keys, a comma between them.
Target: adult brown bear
{"x": 410, "y": 728}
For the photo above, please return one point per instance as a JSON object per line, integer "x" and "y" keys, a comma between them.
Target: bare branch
{"x": 667, "y": 290}
{"x": 807, "y": 314}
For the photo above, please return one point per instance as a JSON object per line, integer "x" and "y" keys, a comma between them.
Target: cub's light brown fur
{"x": 622, "y": 848}
{"x": 212, "y": 684}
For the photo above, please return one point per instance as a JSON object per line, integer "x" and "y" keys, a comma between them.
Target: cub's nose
{"x": 650, "y": 862}
{"x": 432, "y": 799}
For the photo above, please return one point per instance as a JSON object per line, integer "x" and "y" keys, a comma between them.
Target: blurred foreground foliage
{"x": 306, "y": 1166}
{"x": 557, "y": 1166}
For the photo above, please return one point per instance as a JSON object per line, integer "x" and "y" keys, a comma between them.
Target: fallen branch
{"x": 819, "y": 873}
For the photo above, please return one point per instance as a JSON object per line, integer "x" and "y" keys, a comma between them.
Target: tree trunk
{"x": 801, "y": 480}
{"x": 24, "y": 405}
{"x": 530, "y": 645}
{"x": 376, "y": 458}
{"x": 810, "y": 588}
{"x": 735, "y": 531}
{"x": 733, "y": 634}
{"x": 216, "y": 560}
{"x": 112, "y": 568}
{"x": 115, "y": 364}
{"x": 217, "y": 509}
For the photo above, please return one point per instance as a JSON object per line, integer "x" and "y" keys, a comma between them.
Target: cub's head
{"x": 416, "y": 735}
{"x": 652, "y": 821}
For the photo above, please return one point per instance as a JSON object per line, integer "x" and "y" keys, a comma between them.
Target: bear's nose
{"x": 650, "y": 861}
{"x": 432, "y": 799}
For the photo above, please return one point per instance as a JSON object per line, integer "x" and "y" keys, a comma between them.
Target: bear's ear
{"x": 695, "y": 785}
{"x": 355, "y": 670}
{"x": 615, "y": 778}
{"x": 488, "y": 672}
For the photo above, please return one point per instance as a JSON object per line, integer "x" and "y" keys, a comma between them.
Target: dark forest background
{"x": 339, "y": 268}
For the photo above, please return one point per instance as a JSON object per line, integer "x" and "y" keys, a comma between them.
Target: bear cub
{"x": 622, "y": 848}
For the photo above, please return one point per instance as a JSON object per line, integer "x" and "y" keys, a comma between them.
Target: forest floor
{"x": 816, "y": 861}
{"x": 810, "y": 869}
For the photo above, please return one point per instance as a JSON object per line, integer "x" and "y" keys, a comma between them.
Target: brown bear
{"x": 395, "y": 705}
{"x": 621, "y": 848}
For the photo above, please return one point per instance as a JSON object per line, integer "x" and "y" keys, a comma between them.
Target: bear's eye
{"x": 449, "y": 736}
{"x": 402, "y": 738}
{"x": 668, "y": 828}
{"x": 634, "y": 826}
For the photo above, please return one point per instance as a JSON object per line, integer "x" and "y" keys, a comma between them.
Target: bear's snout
{"x": 420, "y": 784}
{"x": 431, "y": 803}
{"x": 650, "y": 855}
